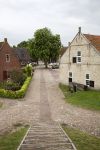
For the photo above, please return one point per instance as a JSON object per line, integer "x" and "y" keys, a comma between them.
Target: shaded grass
{"x": 87, "y": 99}
{"x": 12, "y": 140}
{"x": 1, "y": 104}
{"x": 81, "y": 140}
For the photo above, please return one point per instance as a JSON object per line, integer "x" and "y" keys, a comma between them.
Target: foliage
{"x": 86, "y": 99}
{"x": 12, "y": 140}
{"x": 82, "y": 141}
{"x": 28, "y": 69}
{"x": 1, "y": 104}
{"x": 18, "y": 76}
{"x": 55, "y": 48}
{"x": 11, "y": 86}
{"x": 33, "y": 52}
{"x": 47, "y": 45}
{"x": 44, "y": 46}
{"x": 16, "y": 94}
{"x": 23, "y": 44}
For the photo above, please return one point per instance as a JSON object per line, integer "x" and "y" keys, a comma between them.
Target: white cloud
{"x": 20, "y": 18}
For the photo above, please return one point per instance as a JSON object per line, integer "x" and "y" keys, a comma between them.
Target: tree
{"x": 33, "y": 51}
{"x": 55, "y": 48}
{"x": 44, "y": 46}
{"x": 47, "y": 45}
{"x": 23, "y": 44}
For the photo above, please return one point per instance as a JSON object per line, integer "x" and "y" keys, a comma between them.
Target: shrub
{"x": 17, "y": 76}
{"x": 28, "y": 70}
{"x": 16, "y": 94}
{"x": 11, "y": 86}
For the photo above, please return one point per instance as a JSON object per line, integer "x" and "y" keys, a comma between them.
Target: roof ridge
{"x": 91, "y": 34}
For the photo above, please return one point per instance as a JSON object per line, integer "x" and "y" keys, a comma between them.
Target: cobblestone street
{"x": 44, "y": 91}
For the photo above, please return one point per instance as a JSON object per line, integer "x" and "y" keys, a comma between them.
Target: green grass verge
{"x": 11, "y": 141}
{"x": 1, "y": 104}
{"x": 87, "y": 99}
{"x": 16, "y": 94}
{"x": 81, "y": 140}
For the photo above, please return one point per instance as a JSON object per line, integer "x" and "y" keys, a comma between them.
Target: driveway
{"x": 44, "y": 101}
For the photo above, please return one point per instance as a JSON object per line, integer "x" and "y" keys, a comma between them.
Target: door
{"x": 4, "y": 75}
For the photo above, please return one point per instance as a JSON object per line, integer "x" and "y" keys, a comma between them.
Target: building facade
{"x": 81, "y": 61}
{"x": 11, "y": 59}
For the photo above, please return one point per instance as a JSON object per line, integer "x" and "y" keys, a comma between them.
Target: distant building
{"x": 81, "y": 61}
{"x": 23, "y": 56}
{"x": 11, "y": 59}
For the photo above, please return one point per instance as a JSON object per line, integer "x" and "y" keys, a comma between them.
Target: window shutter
{"x": 92, "y": 83}
{"x": 74, "y": 59}
{"x": 70, "y": 79}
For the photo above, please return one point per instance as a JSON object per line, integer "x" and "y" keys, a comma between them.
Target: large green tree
{"x": 44, "y": 46}
{"x": 23, "y": 44}
{"x": 47, "y": 45}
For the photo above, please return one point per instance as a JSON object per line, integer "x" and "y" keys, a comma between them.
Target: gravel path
{"x": 30, "y": 109}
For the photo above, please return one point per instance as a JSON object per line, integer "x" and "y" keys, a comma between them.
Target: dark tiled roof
{"x": 94, "y": 39}
{"x": 22, "y": 54}
{"x": 63, "y": 50}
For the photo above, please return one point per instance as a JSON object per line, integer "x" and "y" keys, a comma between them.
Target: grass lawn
{"x": 1, "y": 104}
{"x": 12, "y": 140}
{"x": 81, "y": 140}
{"x": 87, "y": 99}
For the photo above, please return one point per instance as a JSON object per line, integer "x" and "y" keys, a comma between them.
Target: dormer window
{"x": 79, "y": 57}
{"x": 7, "y": 58}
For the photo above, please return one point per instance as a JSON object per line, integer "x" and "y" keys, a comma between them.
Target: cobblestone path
{"x": 44, "y": 91}
{"x": 46, "y": 134}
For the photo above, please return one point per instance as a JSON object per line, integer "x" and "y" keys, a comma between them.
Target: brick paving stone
{"x": 46, "y": 136}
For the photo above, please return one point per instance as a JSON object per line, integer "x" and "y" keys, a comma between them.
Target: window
{"x": 70, "y": 76}
{"x": 79, "y": 57}
{"x": 87, "y": 79}
{"x": 7, "y": 58}
{"x": 74, "y": 59}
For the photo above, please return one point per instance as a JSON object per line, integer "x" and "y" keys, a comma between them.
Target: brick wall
{"x": 14, "y": 61}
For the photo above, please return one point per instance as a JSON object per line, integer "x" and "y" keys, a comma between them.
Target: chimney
{"x": 79, "y": 30}
{"x": 5, "y": 40}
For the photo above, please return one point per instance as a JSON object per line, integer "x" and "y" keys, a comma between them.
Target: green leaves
{"x": 47, "y": 44}
{"x": 44, "y": 46}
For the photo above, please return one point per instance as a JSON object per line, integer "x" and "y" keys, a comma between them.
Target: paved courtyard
{"x": 44, "y": 101}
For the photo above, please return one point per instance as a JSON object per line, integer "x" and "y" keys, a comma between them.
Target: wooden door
{"x": 4, "y": 75}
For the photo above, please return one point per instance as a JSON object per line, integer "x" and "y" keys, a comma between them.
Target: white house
{"x": 81, "y": 61}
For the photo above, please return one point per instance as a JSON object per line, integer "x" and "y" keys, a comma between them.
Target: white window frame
{"x": 71, "y": 75}
{"x": 8, "y": 59}
{"x": 87, "y": 79}
{"x": 79, "y": 57}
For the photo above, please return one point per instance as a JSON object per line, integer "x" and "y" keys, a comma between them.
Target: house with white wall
{"x": 81, "y": 61}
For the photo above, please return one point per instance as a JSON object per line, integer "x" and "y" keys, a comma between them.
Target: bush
{"x": 28, "y": 70}
{"x": 16, "y": 94}
{"x": 11, "y": 86}
{"x": 18, "y": 76}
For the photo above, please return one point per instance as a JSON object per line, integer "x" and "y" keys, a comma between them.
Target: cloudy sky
{"x": 19, "y": 19}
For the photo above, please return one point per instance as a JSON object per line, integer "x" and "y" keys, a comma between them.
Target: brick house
{"x": 9, "y": 60}
{"x": 81, "y": 61}
{"x": 23, "y": 55}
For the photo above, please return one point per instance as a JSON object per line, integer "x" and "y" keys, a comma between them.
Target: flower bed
{"x": 16, "y": 94}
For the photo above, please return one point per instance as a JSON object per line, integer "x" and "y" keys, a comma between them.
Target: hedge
{"x": 16, "y": 94}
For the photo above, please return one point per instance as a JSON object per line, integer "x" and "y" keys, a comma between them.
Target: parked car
{"x": 55, "y": 66}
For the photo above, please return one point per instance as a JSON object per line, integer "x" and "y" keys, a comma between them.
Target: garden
{"x": 16, "y": 86}
{"x": 89, "y": 99}
{"x": 82, "y": 140}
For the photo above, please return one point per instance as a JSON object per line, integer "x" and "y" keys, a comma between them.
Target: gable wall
{"x": 90, "y": 62}
{"x": 8, "y": 66}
